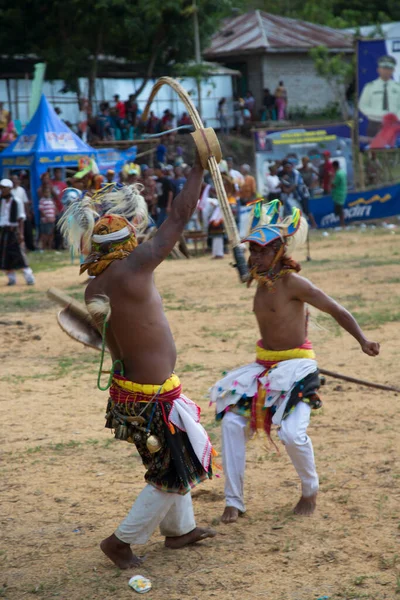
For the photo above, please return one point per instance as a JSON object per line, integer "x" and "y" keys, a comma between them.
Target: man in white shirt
{"x": 272, "y": 186}
{"x": 12, "y": 217}
{"x": 381, "y": 96}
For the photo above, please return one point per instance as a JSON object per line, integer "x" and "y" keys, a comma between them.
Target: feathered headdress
{"x": 78, "y": 221}
{"x": 266, "y": 226}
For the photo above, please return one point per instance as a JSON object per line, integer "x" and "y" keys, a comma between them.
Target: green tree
{"x": 337, "y": 70}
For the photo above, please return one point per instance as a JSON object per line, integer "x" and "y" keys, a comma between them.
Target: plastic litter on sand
{"x": 140, "y": 584}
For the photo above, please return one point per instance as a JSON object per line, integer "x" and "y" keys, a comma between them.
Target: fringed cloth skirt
{"x": 136, "y": 411}
{"x": 267, "y": 390}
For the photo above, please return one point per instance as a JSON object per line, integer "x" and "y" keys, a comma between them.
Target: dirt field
{"x": 65, "y": 483}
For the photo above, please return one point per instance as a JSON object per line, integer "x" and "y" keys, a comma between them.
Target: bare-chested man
{"x": 285, "y": 394}
{"x": 146, "y": 405}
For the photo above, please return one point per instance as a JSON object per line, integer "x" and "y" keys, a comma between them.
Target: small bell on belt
{"x": 121, "y": 432}
{"x": 153, "y": 444}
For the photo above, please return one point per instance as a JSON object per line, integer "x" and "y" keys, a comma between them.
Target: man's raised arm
{"x": 152, "y": 253}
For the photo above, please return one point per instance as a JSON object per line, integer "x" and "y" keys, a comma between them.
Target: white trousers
{"x": 152, "y": 508}
{"x": 217, "y": 245}
{"x": 292, "y": 432}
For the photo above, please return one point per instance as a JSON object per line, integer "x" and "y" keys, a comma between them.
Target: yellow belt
{"x": 279, "y": 355}
{"x": 149, "y": 389}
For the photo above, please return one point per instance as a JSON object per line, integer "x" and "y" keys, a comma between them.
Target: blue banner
{"x": 378, "y": 203}
{"x": 378, "y": 73}
{"x": 111, "y": 158}
{"x": 294, "y": 144}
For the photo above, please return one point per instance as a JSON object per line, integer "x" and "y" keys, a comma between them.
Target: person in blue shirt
{"x": 161, "y": 153}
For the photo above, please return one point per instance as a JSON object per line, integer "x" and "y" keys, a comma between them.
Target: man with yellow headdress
{"x": 146, "y": 405}
{"x": 280, "y": 387}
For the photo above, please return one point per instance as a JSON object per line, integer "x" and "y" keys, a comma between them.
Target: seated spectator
{"x": 153, "y": 123}
{"x": 184, "y": 120}
{"x": 47, "y": 210}
{"x": 167, "y": 122}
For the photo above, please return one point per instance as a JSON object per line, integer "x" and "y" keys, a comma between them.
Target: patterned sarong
{"x": 184, "y": 457}
{"x": 267, "y": 390}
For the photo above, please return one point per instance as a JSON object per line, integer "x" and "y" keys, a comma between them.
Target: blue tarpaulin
{"x": 45, "y": 142}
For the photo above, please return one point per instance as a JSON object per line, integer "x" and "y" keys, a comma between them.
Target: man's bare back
{"x": 138, "y": 333}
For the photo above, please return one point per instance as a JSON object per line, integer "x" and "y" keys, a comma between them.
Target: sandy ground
{"x": 65, "y": 483}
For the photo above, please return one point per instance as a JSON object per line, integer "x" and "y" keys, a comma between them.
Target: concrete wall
{"x": 297, "y": 71}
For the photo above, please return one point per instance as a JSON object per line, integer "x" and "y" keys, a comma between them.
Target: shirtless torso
{"x": 138, "y": 333}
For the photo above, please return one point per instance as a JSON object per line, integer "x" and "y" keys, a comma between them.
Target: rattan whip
{"x": 229, "y": 221}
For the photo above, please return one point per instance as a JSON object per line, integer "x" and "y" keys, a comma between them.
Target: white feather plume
{"x": 100, "y": 307}
{"x": 128, "y": 202}
{"x": 299, "y": 238}
{"x": 77, "y": 223}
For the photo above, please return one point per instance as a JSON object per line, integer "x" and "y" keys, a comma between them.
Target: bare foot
{"x": 231, "y": 515}
{"x": 196, "y": 535}
{"x": 120, "y": 553}
{"x": 306, "y": 506}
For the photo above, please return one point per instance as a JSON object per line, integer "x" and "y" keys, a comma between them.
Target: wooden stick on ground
{"x": 378, "y": 386}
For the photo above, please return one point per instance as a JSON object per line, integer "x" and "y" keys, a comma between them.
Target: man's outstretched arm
{"x": 152, "y": 253}
{"x": 304, "y": 290}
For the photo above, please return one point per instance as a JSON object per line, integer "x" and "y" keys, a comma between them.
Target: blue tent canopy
{"x": 45, "y": 142}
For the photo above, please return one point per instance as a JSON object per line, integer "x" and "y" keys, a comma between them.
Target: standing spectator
{"x": 3, "y": 118}
{"x": 238, "y": 106}
{"x": 374, "y": 169}
{"x": 179, "y": 180}
{"x": 19, "y": 193}
{"x": 309, "y": 174}
{"x": 104, "y": 122}
{"x": 292, "y": 187}
{"x": 12, "y": 218}
{"x": 236, "y": 175}
{"x": 326, "y": 172}
{"x": 272, "y": 189}
{"x": 9, "y": 133}
{"x": 165, "y": 195}
{"x": 269, "y": 104}
{"x": 131, "y": 110}
{"x": 48, "y": 212}
{"x": 150, "y": 190}
{"x": 222, "y": 116}
{"x": 84, "y": 110}
{"x": 248, "y": 189}
{"x": 58, "y": 185}
{"x": 250, "y": 104}
{"x": 119, "y": 112}
{"x": 29, "y": 223}
{"x": 281, "y": 99}
{"x": 339, "y": 191}
{"x": 161, "y": 153}
{"x": 110, "y": 176}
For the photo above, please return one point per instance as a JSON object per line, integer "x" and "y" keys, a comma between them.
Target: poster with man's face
{"x": 379, "y": 93}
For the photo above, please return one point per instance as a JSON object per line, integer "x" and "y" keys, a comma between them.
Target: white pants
{"x": 172, "y": 512}
{"x": 292, "y": 433}
{"x": 218, "y": 245}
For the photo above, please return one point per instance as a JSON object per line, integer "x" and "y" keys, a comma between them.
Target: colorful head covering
{"x": 267, "y": 227}
{"x": 113, "y": 238}
{"x": 106, "y": 223}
